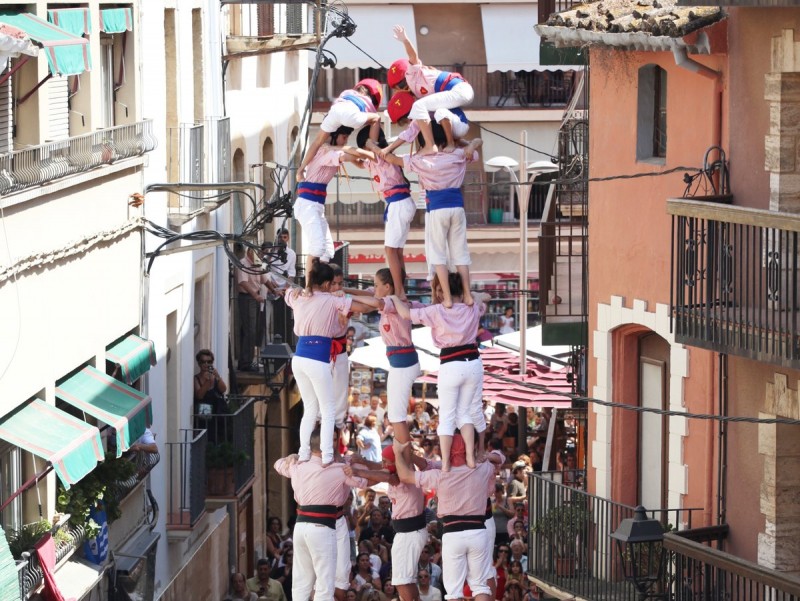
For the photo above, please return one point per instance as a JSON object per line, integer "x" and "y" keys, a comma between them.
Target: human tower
{"x": 428, "y": 102}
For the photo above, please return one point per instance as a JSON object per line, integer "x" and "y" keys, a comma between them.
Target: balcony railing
{"x": 569, "y": 546}
{"x": 187, "y": 477}
{"x": 29, "y": 571}
{"x": 38, "y": 165}
{"x": 231, "y": 443}
{"x": 493, "y": 89}
{"x": 734, "y": 277}
{"x": 145, "y": 462}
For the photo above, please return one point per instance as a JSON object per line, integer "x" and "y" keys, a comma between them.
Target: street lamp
{"x": 640, "y": 541}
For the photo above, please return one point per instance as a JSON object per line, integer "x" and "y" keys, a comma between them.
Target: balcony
{"x": 493, "y": 90}
{"x": 734, "y": 275}
{"x": 258, "y": 27}
{"x": 231, "y": 444}
{"x": 570, "y": 552}
{"x": 186, "y": 465}
{"x": 68, "y": 537}
{"x": 39, "y": 165}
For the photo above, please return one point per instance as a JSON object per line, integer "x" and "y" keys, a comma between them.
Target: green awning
{"x": 69, "y": 444}
{"x": 116, "y": 20}
{"x": 112, "y": 402}
{"x": 67, "y": 54}
{"x": 133, "y": 355}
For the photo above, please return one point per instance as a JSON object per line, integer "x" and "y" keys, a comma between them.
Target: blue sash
{"x": 402, "y": 356}
{"x": 449, "y": 198}
{"x": 461, "y": 115}
{"x": 313, "y": 191}
{"x": 447, "y": 81}
{"x": 362, "y": 106}
{"x": 393, "y": 194}
{"x": 317, "y": 348}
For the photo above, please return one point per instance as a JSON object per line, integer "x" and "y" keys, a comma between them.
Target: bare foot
{"x": 447, "y": 303}
{"x": 445, "y": 466}
{"x": 470, "y": 461}
{"x": 425, "y": 151}
{"x": 402, "y": 296}
{"x": 326, "y": 461}
{"x": 468, "y": 300}
{"x": 449, "y": 148}
{"x": 307, "y": 292}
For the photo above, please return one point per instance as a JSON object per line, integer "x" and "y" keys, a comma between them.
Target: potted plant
{"x": 24, "y": 539}
{"x": 564, "y": 526}
{"x": 221, "y": 459}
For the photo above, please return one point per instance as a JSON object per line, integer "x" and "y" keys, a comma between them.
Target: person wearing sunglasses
{"x": 209, "y": 387}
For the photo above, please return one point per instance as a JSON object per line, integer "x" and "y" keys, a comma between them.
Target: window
{"x": 265, "y": 19}
{"x": 107, "y": 80}
{"x": 651, "y": 119}
{"x": 10, "y": 481}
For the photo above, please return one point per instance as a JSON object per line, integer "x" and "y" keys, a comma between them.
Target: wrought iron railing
{"x": 569, "y": 546}
{"x": 38, "y": 165}
{"x": 29, "y": 570}
{"x": 145, "y": 462}
{"x": 187, "y": 477}
{"x": 696, "y": 571}
{"x": 230, "y": 463}
{"x": 493, "y": 89}
{"x": 734, "y": 280}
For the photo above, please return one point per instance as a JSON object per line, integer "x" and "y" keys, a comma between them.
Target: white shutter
{"x": 58, "y": 108}
{"x": 6, "y": 117}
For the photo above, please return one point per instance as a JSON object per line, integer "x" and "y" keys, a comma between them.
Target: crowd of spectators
{"x": 369, "y": 512}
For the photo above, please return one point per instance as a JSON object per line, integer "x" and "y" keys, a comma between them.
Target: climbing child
{"x": 354, "y": 109}
{"x": 441, "y": 175}
{"x": 454, "y": 122}
{"x": 393, "y": 186}
{"x": 434, "y": 89}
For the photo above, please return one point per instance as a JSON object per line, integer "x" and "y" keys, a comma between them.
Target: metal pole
{"x": 522, "y": 413}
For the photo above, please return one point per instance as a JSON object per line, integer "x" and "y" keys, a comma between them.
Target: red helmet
{"x": 400, "y": 105}
{"x": 397, "y": 72}
{"x": 375, "y": 92}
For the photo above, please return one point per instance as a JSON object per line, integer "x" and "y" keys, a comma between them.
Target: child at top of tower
{"x": 390, "y": 182}
{"x": 453, "y": 121}
{"x": 353, "y": 108}
{"x": 434, "y": 89}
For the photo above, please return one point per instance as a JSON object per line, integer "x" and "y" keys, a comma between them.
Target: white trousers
{"x": 314, "y": 562}
{"x": 464, "y": 558}
{"x": 460, "y": 394}
{"x": 399, "y": 215}
{"x": 341, "y": 384}
{"x": 343, "y": 564}
{"x": 315, "y": 382}
{"x": 446, "y": 237}
{"x": 460, "y": 129}
{"x": 311, "y": 217}
{"x": 491, "y": 532}
{"x": 460, "y": 95}
{"x": 398, "y": 391}
{"x": 406, "y": 549}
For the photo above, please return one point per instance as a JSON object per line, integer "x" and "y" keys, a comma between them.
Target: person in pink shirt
{"x": 316, "y": 321}
{"x": 461, "y": 372}
{"x": 353, "y": 109}
{"x": 441, "y": 175}
{"x": 434, "y": 89}
{"x": 320, "y": 492}
{"x": 461, "y": 494}
{"x": 339, "y": 361}
{"x": 408, "y": 519}
{"x": 454, "y": 122}
{"x": 309, "y": 207}
{"x": 390, "y": 182}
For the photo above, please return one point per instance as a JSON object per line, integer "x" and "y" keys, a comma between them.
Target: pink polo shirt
{"x": 317, "y": 485}
{"x": 384, "y": 174}
{"x": 408, "y": 501}
{"x": 323, "y": 167}
{"x": 410, "y": 133}
{"x": 242, "y": 276}
{"x": 395, "y": 331}
{"x": 456, "y": 326}
{"x": 421, "y": 79}
{"x": 459, "y": 490}
{"x": 440, "y": 170}
{"x": 317, "y": 314}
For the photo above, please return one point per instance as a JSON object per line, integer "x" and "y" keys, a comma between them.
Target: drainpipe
{"x": 683, "y": 61}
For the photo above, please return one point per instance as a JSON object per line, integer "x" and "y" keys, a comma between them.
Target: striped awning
{"x": 112, "y": 402}
{"x": 133, "y": 355}
{"x": 67, "y": 54}
{"x": 116, "y": 20}
{"x": 69, "y": 444}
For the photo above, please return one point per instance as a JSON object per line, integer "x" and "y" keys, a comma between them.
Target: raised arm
{"x": 399, "y": 33}
{"x": 365, "y": 304}
{"x": 404, "y": 471}
{"x": 401, "y": 308}
{"x": 472, "y": 147}
{"x": 393, "y": 159}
